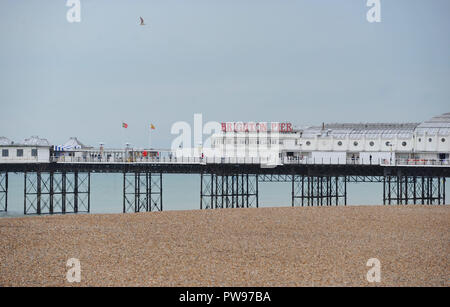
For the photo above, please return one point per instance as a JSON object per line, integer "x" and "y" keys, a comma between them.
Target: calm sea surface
{"x": 182, "y": 192}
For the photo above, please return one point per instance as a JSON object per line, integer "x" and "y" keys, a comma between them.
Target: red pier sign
{"x": 257, "y": 127}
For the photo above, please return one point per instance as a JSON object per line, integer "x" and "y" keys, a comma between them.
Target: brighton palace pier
{"x": 411, "y": 160}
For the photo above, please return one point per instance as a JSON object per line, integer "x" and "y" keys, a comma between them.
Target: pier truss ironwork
{"x": 142, "y": 192}
{"x": 3, "y": 192}
{"x": 350, "y": 179}
{"x": 57, "y": 193}
{"x": 274, "y": 178}
{"x": 319, "y": 190}
{"x": 58, "y": 187}
{"x": 363, "y": 179}
{"x": 228, "y": 191}
{"x": 403, "y": 190}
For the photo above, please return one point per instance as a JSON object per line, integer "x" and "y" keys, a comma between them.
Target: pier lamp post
{"x": 100, "y": 157}
{"x": 301, "y": 153}
{"x": 390, "y": 146}
{"x": 127, "y": 153}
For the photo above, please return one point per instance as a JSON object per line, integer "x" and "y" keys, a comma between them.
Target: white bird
{"x": 142, "y": 21}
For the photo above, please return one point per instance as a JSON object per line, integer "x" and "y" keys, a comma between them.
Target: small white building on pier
{"x": 33, "y": 149}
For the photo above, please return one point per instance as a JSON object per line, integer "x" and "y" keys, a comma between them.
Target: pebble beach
{"x": 309, "y": 246}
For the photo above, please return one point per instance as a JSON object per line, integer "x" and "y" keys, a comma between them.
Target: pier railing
{"x": 251, "y": 160}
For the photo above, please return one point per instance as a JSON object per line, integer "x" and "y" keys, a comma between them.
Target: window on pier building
{"x": 19, "y": 153}
{"x": 34, "y": 152}
{"x": 5, "y": 152}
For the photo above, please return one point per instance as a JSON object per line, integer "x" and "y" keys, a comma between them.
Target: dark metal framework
{"x": 57, "y": 187}
{"x": 319, "y": 190}
{"x": 198, "y": 168}
{"x": 274, "y": 178}
{"x": 142, "y": 192}
{"x": 57, "y": 193}
{"x": 3, "y": 192}
{"x": 403, "y": 190}
{"x": 357, "y": 179}
{"x": 228, "y": 191}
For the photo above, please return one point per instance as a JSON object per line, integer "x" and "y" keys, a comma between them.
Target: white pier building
{"x": 362, "y": 143}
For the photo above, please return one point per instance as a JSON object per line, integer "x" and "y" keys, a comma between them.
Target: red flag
{"x": 124, "y": 125}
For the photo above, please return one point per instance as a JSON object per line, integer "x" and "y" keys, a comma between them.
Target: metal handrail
{"x": 249, "y": 160}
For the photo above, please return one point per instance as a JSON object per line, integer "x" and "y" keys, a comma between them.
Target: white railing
{"x": 358, "y": 161}
{"x": 418, "y": 162}
{"x": 164, "y": 160}
{"x": 250, "y": 160}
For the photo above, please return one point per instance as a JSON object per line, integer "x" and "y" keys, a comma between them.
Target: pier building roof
{"x": 437, "y": 125}
{"x": 5, "y": 141}
{"x": 369, "y": 130}
{"x": 36, "y": 141}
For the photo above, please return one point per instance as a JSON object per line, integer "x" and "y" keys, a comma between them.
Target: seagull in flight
{"x": 142, "y": 21}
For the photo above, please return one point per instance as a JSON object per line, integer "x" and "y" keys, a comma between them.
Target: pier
{"x": 410, "y": 160}
{"x": 64, "y": 185}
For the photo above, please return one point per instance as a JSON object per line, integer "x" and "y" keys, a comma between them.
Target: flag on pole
{"x": 124, "y": 125}
{"x": 152, "y": 127}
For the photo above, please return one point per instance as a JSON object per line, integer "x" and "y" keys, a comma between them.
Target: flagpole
{"x": 150, "y": 135}
{"x": 123, "y": 135}
{"x": 150, "y": 139}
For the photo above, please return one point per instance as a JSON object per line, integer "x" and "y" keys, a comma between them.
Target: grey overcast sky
{"x": 303, "y": 61}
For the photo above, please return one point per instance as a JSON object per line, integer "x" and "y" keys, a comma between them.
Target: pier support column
{"x": 404, "y": 190}
{"x": 142, "y": 192}
{"x": 228, "y": 191}
{"x": 3, "y": 192}
{"x": 56, "y": 193}
{"x": 319, "y": 190}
